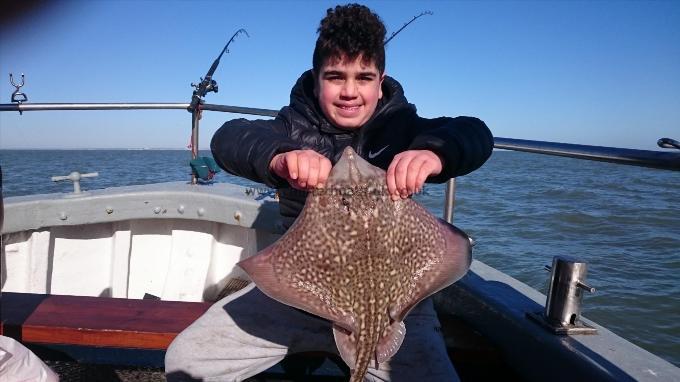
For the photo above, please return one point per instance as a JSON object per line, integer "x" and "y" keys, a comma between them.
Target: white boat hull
{"x": 173, "y": 258}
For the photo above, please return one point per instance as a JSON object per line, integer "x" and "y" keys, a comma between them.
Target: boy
{"x": 346, "y": 99}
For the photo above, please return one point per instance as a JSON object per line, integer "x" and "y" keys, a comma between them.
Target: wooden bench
{"x": 95, "y": 321}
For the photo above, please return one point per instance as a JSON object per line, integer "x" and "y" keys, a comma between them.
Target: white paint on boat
{"x": 180, "y": 260}
{"x": 175, "y": 256}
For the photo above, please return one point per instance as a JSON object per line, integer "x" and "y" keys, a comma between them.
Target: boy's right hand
{"x": 303, "y": 169}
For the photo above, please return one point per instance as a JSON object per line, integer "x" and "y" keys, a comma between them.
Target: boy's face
{"x": 348, "y": 91}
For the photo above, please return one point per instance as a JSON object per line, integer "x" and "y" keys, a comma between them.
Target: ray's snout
{"x": 352, "y": 169}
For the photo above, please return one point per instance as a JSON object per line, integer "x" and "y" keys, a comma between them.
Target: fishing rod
{"x": 407, "y": 24}
{"x": 207, "y": 84}
{"x": 204, "y": 87}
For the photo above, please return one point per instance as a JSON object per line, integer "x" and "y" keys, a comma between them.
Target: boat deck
{"x": 128, "y": 342}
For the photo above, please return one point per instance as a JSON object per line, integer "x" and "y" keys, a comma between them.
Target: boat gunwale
{"x": 220, "y": 203}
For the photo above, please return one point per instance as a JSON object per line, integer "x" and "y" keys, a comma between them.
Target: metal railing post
{"x": 450, "y": 200}
{"x": 195, "y": 117}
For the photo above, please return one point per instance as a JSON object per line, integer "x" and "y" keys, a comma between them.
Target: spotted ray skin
{"x": 361, "y": 260}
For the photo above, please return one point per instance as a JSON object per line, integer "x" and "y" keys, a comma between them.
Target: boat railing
{"x": 664, "y": 160}
{"x": 21, "y": 107}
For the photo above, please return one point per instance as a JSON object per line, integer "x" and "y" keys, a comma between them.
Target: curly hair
{"x": 350, "y": 31}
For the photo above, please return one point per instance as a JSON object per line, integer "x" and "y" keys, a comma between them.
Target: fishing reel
{"x": 207, "y": 84}
{"x": 210, "y": 86}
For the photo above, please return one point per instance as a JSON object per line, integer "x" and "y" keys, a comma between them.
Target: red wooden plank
{"x": 15, "y": 309}
{"x": 96, "y": 321}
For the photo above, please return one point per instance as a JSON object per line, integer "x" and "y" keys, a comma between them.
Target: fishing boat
{"x": 110, "y": 276}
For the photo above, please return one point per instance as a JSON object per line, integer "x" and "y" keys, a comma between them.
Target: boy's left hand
{"x": 409, "y": 170}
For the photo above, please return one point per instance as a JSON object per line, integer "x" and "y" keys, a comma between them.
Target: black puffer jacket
{"x": 245, "y": 148}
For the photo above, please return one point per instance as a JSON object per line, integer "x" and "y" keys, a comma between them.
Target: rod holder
{"x": 562, "y": 313}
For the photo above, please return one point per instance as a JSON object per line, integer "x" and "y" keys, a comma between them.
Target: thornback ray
{"x": 361, "y": 260}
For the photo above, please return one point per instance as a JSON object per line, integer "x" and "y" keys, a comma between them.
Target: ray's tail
{"x": 359, "y": 372}
{"x": 367, "y": 342}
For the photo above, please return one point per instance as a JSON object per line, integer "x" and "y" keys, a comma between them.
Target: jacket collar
{"x": 303, "y": 101}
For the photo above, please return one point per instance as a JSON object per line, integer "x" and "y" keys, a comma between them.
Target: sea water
{"x": 522, "y": 209}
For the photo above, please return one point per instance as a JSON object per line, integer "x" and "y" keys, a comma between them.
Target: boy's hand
{"x": 303, "y": 169}
{"x": 409, "y": 170}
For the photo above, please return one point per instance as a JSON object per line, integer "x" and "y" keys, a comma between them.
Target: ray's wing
{"x": 305, "y": 268}
{"x": 434, "y": 254}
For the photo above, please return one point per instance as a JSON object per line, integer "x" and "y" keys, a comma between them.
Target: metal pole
{"x": 644, "y": 158}
{"x": 450, "y": 202}
{"x": 240, "y": 110}
{"x": 91, "y": 106}
{"x": 134, "y": 106}
{"x": 195, "y": 117}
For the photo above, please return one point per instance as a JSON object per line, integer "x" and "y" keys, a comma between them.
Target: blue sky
{"x": 601, "y": 73}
